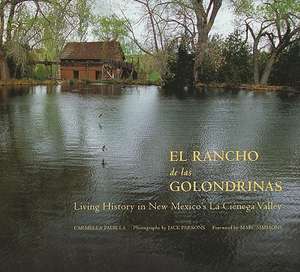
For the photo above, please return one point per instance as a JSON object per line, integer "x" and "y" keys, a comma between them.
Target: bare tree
{"x": 171, "y": 20}
{"x": 273, "y": 26}
{"x": 205, "y": 18}
{"x": 155, "y": 27}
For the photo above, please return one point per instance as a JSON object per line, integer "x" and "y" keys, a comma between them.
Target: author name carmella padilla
{"x": 213, "y": 155}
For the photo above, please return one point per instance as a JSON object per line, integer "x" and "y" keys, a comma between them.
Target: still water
{"x": 51, "y": 155}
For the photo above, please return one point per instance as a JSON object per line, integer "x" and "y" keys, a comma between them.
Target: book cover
{"x": 149, "y": 135}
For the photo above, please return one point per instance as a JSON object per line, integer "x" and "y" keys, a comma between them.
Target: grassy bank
{"x": 126, "y": 82}
{"x": 249, "y": 87}
{"x": 31, "y": 82}
{"x": 133, "y": 82}
{"x": 28, "y": 82}
{"x": 225, "y": 86}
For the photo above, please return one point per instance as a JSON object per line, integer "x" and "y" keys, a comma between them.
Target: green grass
{"x": 154, "y": 76}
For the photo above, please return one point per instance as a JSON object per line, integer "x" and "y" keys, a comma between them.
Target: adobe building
{"x": 94, "y": 61}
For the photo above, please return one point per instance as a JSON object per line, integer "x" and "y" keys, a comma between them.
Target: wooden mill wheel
{"x": 107, "y": 72}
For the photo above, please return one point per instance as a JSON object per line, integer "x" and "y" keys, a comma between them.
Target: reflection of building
{"x": 104, "y": 90}
{"x": 94, "y": 61}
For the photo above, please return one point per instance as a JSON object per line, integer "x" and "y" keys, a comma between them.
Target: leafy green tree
{"x": 287, "y": 70}
{"x": 180, "y": 69}
{"x": 109, "y": 28}
{"x": 48, "y": 24}
{"x": 236, "y": 66}
{"x": 213, "y": 60}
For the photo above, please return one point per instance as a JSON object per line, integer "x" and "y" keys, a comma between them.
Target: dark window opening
{"x": 98, "y": 75}
{"x": 76, "y": 74}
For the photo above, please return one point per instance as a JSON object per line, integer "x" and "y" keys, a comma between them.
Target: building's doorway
{"x": 76, "y": 74}
{"x": 98, "y": 75}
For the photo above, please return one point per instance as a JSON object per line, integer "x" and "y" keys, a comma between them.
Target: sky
{"x": 224, "y": 23}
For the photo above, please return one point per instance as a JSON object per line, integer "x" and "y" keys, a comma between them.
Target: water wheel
{"x": 107, "y": 72}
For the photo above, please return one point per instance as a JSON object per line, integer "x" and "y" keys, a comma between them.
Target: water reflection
{"x": 51, "y": 155}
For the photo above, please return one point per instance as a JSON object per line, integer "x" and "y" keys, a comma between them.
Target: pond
{"x": 60, "y": 146}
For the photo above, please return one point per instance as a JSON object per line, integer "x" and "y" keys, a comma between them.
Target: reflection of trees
{"x": 279, "y": 115}
{"x": 37, "y": 184}
{"x": 8, "y": 92}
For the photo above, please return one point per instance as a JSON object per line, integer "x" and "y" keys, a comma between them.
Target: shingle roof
{"x": 92, "y": 51}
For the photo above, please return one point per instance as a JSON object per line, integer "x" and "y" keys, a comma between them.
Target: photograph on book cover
{"x": 150, "y": 135}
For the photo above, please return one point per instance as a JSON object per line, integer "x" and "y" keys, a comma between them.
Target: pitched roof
{"x": 92, "y": 51}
